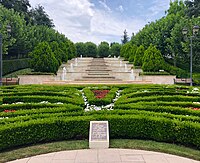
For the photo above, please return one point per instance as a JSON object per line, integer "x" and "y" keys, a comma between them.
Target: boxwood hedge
{"x": 156, "y": 112}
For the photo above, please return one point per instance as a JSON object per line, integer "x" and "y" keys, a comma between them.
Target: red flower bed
{"x": 100, "y": 93}
{"x": 195, "y": 108}
{"x": 9, "y": 111}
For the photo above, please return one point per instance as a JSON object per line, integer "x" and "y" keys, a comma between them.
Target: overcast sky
{"x": 101, "y": 20}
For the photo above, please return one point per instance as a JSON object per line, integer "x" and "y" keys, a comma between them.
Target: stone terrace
{"x": 98, "y": 70}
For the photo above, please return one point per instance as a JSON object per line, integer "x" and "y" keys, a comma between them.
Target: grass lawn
{"x": 33, "y": 150}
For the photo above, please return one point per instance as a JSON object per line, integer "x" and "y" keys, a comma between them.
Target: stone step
{"x": 99, "y": 70}
{"x": 97, "y": 65}
{"x": 98, "y": 77}
{"x": 98, "y": 73}
{"x": 79, "y": 81}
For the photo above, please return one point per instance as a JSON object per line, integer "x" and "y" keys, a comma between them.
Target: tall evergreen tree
{"x": 125, "y": 37}
{"x": 139, "y": 56}
{"x": 43, "y": 59}
{"x": 153, "y": 60}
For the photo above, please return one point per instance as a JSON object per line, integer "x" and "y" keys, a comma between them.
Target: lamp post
{"x": 195, "y": 31}
{"x": 1, "y": 64}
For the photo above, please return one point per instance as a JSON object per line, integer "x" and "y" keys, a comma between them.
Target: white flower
{"x": 44, "y": 102}
{"x": 196, "y": 102}
{"x": 3, "y": 117}
{"x": 19, "y": 103}
{"x": 60, "y": 103}
{"x": 86, "y": 110}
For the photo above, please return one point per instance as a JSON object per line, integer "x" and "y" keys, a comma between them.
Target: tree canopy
{"x": 166, "y": 34}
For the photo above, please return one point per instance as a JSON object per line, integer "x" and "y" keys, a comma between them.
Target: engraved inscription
{"x": 99, "y": 132}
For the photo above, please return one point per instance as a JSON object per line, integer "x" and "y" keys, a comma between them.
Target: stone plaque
{"x": 99, "y": 135}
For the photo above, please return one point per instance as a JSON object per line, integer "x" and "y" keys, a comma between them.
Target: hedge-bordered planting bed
{"x": 33, "y": 114}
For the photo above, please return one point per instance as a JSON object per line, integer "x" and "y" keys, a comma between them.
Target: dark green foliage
{"x": 193, "y": 8}
{"x": 81, "y": 49}
{"x": 139, "y": 56}
{"x": 43, "y": 59}
{"x": 14, "y": 65}
{"x": 152, "y": 60}
{"x": 40, "y": 17}
{"x": 125, "y": 37}
{"x": 126, "y": 50}
{"x": 130, "y": 126}
{"x": 91, "y": 49}
{"x": 20, "y": 6}
{"x": 115, "y": 49}
{"x": 132, "y": 54}
{"x": 103, "y": 49}
{"x": 72, "y": 53}
{"x": 57, "y": 51}
{"x": 166, "y": 35}
{"x": 65, "y": 52}
{"x": 175, "y": 71}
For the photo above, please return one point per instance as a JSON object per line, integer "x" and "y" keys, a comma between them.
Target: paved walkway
{"x": 105, "y": 156}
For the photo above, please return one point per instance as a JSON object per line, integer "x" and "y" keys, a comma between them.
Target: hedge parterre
{"x": 40, "y": 113}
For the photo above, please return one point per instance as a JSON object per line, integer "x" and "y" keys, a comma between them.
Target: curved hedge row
{"x": 156, "y": 112}
{"x": 126, "y": 126}
{"x": 14, "y": 65}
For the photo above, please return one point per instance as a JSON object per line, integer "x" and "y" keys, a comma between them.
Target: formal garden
{"x": 47, "y": 118}
{"x": 38, "y": 114}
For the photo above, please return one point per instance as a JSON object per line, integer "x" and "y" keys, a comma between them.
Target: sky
{"x": 101, "y": 20}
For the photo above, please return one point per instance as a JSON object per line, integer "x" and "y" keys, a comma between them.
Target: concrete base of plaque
{"x": 99, "y": 135}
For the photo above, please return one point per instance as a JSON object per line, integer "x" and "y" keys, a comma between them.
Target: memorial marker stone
{"x": 99, "y": 134}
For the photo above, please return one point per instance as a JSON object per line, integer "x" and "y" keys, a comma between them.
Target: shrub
{"x": 43, "y": 59}
{"x": 152, "y": 60}
{"x": 14, "y": 65}
{"x": 175, "y": 71}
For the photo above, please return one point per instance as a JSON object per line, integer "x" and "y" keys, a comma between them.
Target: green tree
{"x": 43, "y": 59}
{"x": 10, "y": 17}
{"x": 72, "y": 53}
{"x": 193, "y": 8}
{"x": 81, "y": 49}
{"x": 20, "y": 6}
{"x": 40, "y": 17}
{"x": 126, "y": 50}
{"x": 57, "y": 51}
{"x": 91, "y": 49}
{"x": 153, "y": 60}
{"x": 64, "y": 54}
{"x": 139, "y": 56}
{"x": 132, "y": 53}
{"x": 103, "y": 49}
{"x": 125, "y": 37}
{"x": 115, "y": 49}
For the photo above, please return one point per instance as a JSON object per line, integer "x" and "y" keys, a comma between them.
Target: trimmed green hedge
{"x": 124, "y": 100}
{"x": 155, "y": 73}
{"x": 126, "y": 126}
{"x": 157, "y": 112}
{"x": 14, "y": 65}
{"x": 54, "y": 99}
{"x": 29, "y": 106}
{"x": 156, "y": 108}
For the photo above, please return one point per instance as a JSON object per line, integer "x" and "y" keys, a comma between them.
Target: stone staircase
{"x": 98, "y": 70}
